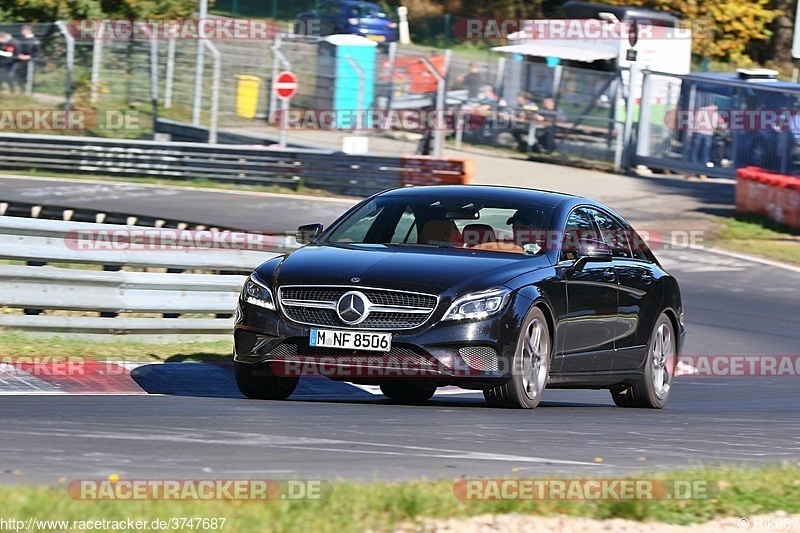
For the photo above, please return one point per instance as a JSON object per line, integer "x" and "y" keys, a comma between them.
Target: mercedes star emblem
{"x": 352, "y": 307}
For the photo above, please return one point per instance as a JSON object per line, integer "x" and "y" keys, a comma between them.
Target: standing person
{"x": 30, "y": 48}
{"x": 473, "y": 80}
{"x": 8, "y": 56}
{"x": 702, "y": 139}
{"x": 523, "y": 114}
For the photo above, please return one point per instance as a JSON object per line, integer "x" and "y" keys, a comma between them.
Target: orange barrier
{"x": 775, "y": 196}
{"x": 413, "y": 75}
{"x": 430, "y": 170}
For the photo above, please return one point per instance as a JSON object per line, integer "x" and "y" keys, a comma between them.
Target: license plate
{"x": 351, "y": 340}
{"x": 379, "y": 38}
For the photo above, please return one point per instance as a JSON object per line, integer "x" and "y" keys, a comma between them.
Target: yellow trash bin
{"x": 247, "y": 95}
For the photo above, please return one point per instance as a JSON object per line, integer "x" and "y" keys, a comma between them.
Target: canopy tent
{"x": 561, "y": 51}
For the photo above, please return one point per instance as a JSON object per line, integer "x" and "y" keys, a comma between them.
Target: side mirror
{"x": 592, "y": 251}
{"x": 306, "y": 234}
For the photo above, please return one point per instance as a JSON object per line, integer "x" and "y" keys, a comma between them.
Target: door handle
{"x": 609, "y": 274}
{"x": 647, "y": 279}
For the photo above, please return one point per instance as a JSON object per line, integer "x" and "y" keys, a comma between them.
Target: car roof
{"x": 494, "y": 192}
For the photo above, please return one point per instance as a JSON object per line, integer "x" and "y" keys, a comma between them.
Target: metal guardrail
{"x": 359, "y": 175}
{"x": 109, "y": 293}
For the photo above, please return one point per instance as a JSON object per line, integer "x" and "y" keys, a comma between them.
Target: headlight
{"x": 257, "y": 293}
{"x": 478, "y": 305}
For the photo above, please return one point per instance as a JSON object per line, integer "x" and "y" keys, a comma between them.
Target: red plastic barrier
{"x": 775, "y": 196}
{"x": 430, "y": 170}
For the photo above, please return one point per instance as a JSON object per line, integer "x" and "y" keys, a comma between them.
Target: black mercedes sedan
{"x": 499, "y": 289}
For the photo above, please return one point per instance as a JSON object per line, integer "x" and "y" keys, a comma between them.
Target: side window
{"x": 407, "y": 229}
{"x": 329, "y": 8}
{"x": 614, "y": 235}
{"x": 580, "y": 225}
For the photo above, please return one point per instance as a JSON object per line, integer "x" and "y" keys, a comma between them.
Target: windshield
{"x": 368, "y": 10}
{"x": 467, "y": 224}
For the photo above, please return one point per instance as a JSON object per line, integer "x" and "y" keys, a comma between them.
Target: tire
{"x": 408, "y": 393}
{"x": 654, "y": 389}
{"x": 260, "y": 384}
{"x": 530, "y": 367}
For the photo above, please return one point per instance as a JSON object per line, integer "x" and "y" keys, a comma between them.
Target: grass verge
{"x": 14, "y": 344}
{"x": 757, "y": 235}
{"x": 384, "y": 506}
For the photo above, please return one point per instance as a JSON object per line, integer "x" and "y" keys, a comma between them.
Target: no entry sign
{"x": 285, "y": 85}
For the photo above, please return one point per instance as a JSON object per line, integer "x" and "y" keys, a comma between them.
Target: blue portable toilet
{"x": 339, "y": 82}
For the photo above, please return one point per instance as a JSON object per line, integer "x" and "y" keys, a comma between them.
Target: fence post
{"x": 643, "y": 129}
{"x": 70, "y": 62}
{"x": 631, "y": 100}
{"x": 154, "y": 79}
{"x": 441, "y": 90}
{"x": 29, "y": 78}
{"x": 212, "y": 126}
{"x": 198, "y": 73}
{"x": 170, "y": 68}
{"x": 97, "y": 63}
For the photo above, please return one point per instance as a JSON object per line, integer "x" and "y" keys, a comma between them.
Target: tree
{"x": 723, "y": 29}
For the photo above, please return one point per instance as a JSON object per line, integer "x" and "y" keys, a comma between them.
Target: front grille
{"x": 481, "y": 358}
{"x": 390, "y": 309}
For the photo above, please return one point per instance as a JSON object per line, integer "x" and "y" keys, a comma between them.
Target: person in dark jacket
{"x": 30, "y": 48}
{"x": 8, "y": 56}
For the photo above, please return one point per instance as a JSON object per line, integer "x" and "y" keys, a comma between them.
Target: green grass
{"x": 758, "y": 235}
{"x": 14, "y": 344}
{"x": 381, "y": 507}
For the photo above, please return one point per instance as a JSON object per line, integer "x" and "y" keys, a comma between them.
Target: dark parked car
{"x": 349, "y": 17}
{"x": 505, "y": 290}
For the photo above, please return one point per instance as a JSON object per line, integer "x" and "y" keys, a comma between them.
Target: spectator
{"x": 30, "y": 49}
{"x": 546, "y": 128}
{"x": 708, "y": 120}
{"x": 524, "y": 113}
{"x": 8, "y": 56}
{"x": 473, "y": 80}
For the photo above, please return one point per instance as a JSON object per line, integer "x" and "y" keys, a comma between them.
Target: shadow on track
{"x": 216, "y": 380}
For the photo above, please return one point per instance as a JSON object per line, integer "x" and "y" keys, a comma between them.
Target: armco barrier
{"x": 775, "y": 196}
{"x": 133, "y": 295}
{"x": 357, "y": 175}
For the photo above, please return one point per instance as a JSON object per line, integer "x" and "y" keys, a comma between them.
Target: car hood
{"x": 422, "y": 269}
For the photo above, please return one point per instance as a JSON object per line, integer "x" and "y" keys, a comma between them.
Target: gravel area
{"x": 518, "y": 523}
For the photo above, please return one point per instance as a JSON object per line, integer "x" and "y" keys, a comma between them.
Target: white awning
{"x": 557, "y": 50}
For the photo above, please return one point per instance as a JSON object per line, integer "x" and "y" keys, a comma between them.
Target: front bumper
{"x": 470, "y": 354}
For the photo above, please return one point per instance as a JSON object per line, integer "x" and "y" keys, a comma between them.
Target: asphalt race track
{"x": 194, "y": 422}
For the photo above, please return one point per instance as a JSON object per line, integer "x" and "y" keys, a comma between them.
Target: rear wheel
{"x": 260, "y": 383}
{"x": 410, "y": 393}
{"x": 655, "y": 387}
{"x": 530, "y": 368}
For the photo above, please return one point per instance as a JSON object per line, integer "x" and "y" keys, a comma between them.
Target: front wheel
{"x": 261, "y": 384}
{"x": 530, "y": 368}
{"x": 655, "y": 387}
